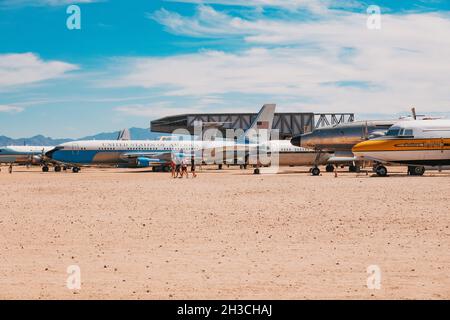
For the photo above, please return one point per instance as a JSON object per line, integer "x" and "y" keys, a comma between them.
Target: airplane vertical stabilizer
{"x": 262, "y": 123}
{"x": 124, "y": 135}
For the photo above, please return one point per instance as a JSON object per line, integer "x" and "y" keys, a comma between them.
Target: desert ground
{"x": 227, "y": 234}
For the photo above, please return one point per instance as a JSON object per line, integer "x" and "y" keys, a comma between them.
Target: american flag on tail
{"x": 262, "y": 125}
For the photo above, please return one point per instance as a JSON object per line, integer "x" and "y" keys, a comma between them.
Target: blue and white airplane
{"x": 151, "y": 153}
{"x": 35, "y": 155}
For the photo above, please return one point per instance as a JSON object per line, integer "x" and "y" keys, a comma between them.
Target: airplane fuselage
{"x": 341, "y": 137}
{"x": 421, "y": 142}
{"x": 112, "y": 152}
{"x": 23, "y": 154}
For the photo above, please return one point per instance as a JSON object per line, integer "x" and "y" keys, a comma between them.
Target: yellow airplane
{"x": 417, "y": 143}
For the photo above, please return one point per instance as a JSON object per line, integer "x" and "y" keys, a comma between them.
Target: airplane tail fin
{"x": 124, "y": 135}
{"x": 262, "y": 125}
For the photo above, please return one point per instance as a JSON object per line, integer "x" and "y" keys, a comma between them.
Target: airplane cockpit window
{"x": 393, "y": 132}
{"x": 405, "y": 132}
{"x": 408, "y": 132}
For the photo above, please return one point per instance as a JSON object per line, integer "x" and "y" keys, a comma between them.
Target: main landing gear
{"x": 56, "y": 168}
{"x": 75, "y": 169}
{"x": 381, "y": 171}
{"x": 329, "y": 168}
{"x": 315, "y": 171}
{"x": 416, "y": 170}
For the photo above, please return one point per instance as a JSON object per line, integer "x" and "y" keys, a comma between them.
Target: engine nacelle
{"x": 144, "y": 162}
{"x": 36, "y": 159}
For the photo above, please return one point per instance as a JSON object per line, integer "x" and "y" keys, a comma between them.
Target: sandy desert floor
{"x": 225, "y": 235}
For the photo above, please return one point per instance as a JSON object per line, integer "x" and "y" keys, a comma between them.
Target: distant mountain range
{"x": 40, "y": 140}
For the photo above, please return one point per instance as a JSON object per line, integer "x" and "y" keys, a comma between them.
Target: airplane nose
{"x": 366, "y": 146}
{"x": 360, "y": 147}
{"x": 296, "y": 141}
{"x": 50, "y": 154}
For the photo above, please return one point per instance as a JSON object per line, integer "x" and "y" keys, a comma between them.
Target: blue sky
{"x": 133, "y": 61}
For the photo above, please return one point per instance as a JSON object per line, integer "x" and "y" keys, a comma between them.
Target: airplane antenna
{"x": 413, "y": 111}
{"x": 366, "y": 131}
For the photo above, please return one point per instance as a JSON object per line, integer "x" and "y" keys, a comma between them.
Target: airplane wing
{"x": 167, "y": 156}
{"x": 342, "y": 157}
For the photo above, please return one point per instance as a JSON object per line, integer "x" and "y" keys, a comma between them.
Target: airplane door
{"x": 75, "y": 149}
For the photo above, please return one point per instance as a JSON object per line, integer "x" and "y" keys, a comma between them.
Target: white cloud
{"x": 153, "y": 110}
{"x": 331, "y": 64}
{"x": 207, "y": 23}
{"x": 28, "y": 68}
{"x": 316, "y": 6}
{"x": 169, "y": 107}
{"x": 10, "y": 108}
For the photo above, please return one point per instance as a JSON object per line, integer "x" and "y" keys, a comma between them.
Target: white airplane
{"x": 23, "y": 155}
{"x": 150, "y": 153}
{"x": 35, "y": 155}
{"x": 146, "y": 153}
{"x": 417, "y": 143}
{"x": 290, "y": 155}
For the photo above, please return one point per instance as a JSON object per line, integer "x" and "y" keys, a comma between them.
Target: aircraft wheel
{"x": 329, "y": 168}
{"x": 57, "y": 169}
{"x": 352, "y": 169}
{"x": 75, "y": 169}
{"x": 416, "y": 170}
{"x": 315, "y": 171}
{"x": 256, "y": 171}
{"x": 381, "y": 171}
{"x": 419, "y": 170}
{"x": 44, "y": 169}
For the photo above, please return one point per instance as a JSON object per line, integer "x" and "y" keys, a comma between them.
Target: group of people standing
{"x": 180, "y": 168}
